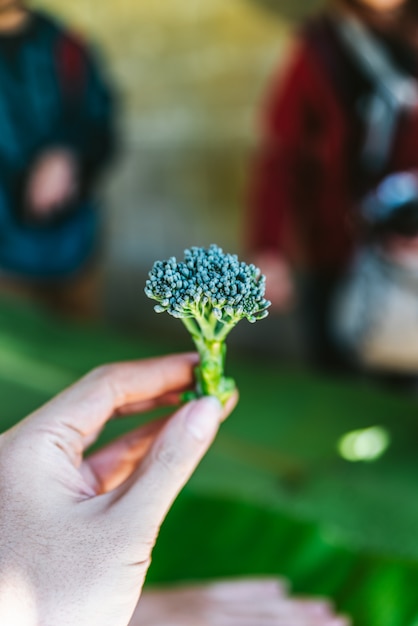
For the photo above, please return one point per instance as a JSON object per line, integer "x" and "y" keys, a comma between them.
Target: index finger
{"x": 87, "y": 405}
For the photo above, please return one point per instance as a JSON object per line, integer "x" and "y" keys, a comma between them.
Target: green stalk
{"x": 210, "y": 372}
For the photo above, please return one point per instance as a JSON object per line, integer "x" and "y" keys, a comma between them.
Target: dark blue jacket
{"x": 51, "y": 96}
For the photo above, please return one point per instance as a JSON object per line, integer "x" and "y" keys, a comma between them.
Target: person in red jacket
{"x": 341, "y": 121}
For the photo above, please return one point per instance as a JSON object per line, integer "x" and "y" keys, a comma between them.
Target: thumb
{"x": 148, "y": 494}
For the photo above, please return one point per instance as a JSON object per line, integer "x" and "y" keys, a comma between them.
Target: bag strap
{"x": 394, "y": 91}
{"x": 362, "y": 71}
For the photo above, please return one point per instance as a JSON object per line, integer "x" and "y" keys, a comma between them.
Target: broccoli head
{"x": 210, "y": 291}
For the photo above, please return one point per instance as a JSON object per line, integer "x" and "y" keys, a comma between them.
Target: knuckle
{"x": 106, "y": 377}
{"x": 102, "y": 373}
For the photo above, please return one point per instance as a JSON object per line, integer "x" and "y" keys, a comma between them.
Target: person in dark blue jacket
{"x": 56, "y": 135}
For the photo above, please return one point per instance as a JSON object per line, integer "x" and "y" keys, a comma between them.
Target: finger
{"x": 111, "y": 466}
{"x": 245, "y": 590}
{"x": 222, "y": 593}
{"x": 82, "y": 410}
{"x": 209, "y": 604}
{"x": 279, "y": 612}
{"x": 168, "y": 399}
{"x": 181, "y": 609}
{"x": 145, "y": 498}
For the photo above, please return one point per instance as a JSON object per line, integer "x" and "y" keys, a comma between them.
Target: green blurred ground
{"x": 272, "y": 496}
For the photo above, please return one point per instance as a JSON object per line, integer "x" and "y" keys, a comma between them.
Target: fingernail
{"x": 203, "y": 417}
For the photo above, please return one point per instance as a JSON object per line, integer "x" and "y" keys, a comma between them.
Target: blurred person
{"x": 77, "y": 531}
{"x": 56, "y": 135}
{"x": 340, "y": 129}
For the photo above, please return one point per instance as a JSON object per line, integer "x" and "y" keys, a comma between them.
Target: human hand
{"x": 234, "y": 603}
{"x": 76, "y": 534}
{"x": 402, "y": 250}
{"x": 52, "y": 184}
{"x": 280, "y": 288}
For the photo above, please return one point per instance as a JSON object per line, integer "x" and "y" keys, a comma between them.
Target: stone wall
{"x": 191, "y": 74}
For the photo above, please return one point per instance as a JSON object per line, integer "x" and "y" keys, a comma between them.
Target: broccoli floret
{"x": 210, "y": 291}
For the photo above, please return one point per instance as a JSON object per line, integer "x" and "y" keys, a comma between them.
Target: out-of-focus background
{"x": 315, "y": 477}
{"x": 191, "y": 77}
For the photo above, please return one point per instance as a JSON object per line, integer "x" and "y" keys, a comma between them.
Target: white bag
{"x": 375, "y": 314}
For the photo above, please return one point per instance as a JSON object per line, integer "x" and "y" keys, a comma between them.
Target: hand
{"x": 280, "y": 289}
{"x": 235, "y": 603}
{"x": 403, "y": 250}
{"x": 52, "y": 183}
{"x": 76, "y": 534}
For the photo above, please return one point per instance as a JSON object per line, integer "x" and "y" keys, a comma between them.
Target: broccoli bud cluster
{"x": 208, "y": 279}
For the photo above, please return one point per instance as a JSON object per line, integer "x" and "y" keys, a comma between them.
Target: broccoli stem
{"x": 210, "y": 372}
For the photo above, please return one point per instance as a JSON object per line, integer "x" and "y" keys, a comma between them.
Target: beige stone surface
{"x": 189, "y": 70}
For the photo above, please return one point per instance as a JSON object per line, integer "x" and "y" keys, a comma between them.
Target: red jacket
{"x": 308, "y": 177}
